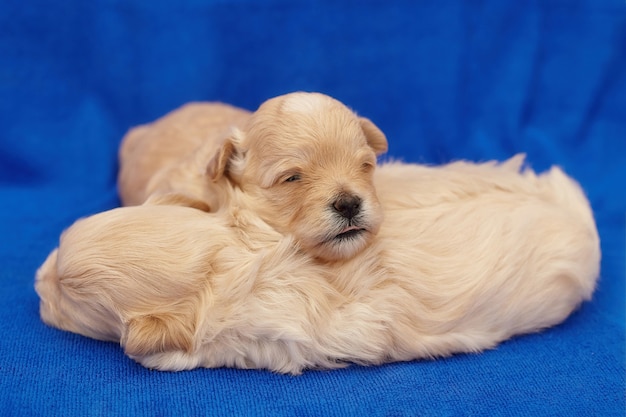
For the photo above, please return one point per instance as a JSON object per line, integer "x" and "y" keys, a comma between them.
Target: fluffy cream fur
{"x": 158, "y": 157}
{"x": 305, "y": 159}
{"x": 468, "y": 255}
{"x": 153, "y": 148}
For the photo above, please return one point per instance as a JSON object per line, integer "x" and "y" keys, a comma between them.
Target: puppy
{"x": 148, "y": 149}
{"x": 468, "y": 256}
{"x": 306, "y": 163}
{"x": 304, "y": 158}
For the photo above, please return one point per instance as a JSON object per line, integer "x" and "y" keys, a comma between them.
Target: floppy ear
{"x": 156, "y": 333}
{"x": 218, "y": 166}
{"x": 376, "y": 139}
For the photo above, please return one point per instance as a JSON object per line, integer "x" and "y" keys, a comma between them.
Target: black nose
{"x": 347, "y": 205}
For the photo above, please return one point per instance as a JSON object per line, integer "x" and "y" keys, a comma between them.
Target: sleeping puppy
{"x": 293, "y": 139}
{"x": 148, "y": 149}
{"x": 468, "y": 256}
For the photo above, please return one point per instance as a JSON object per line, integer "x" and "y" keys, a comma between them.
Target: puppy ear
{"x": 375, "y": 137}
{"x": 218, "y": 166}
{"x": 177, "y": 199}
{"x": 157, "y": 333}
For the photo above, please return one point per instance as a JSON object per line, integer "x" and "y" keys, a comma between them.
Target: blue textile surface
{"x": 444, "y": 79}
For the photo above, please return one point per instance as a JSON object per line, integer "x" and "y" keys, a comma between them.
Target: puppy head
{"x": 307, "y": 163}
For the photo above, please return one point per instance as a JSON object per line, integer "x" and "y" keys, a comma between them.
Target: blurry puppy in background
{"x": 304, "y": 160}
{"x": 468, "y": 256}
{"x": 148, "y": 149}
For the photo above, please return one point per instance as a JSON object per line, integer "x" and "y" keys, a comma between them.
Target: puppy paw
{"x": 157, "y": 333}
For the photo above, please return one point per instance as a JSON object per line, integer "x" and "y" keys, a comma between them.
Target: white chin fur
{"x": 338, "y": 249}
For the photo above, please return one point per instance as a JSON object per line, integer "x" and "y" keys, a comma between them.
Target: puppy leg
{"x": 155, "y": 333}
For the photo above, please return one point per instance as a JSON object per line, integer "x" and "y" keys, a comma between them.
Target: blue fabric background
{"x": 445, "y": 79}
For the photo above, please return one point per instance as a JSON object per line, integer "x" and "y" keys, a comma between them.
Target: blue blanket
{"x": 444, "y": 79}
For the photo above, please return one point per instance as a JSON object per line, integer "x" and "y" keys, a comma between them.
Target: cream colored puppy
{"x": 468, "y": 256}
{"x": 154, "y": 147}
{"x": 307, "y": 139}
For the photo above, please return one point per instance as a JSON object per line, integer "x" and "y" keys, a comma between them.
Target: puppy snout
{"x": 347, "y": 205}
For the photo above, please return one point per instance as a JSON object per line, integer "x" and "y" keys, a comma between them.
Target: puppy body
{"x": 467, "y": 256}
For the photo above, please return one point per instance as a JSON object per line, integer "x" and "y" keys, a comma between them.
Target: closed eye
{"x": 367, "y": 166}
{"x": 293, "y": 178}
